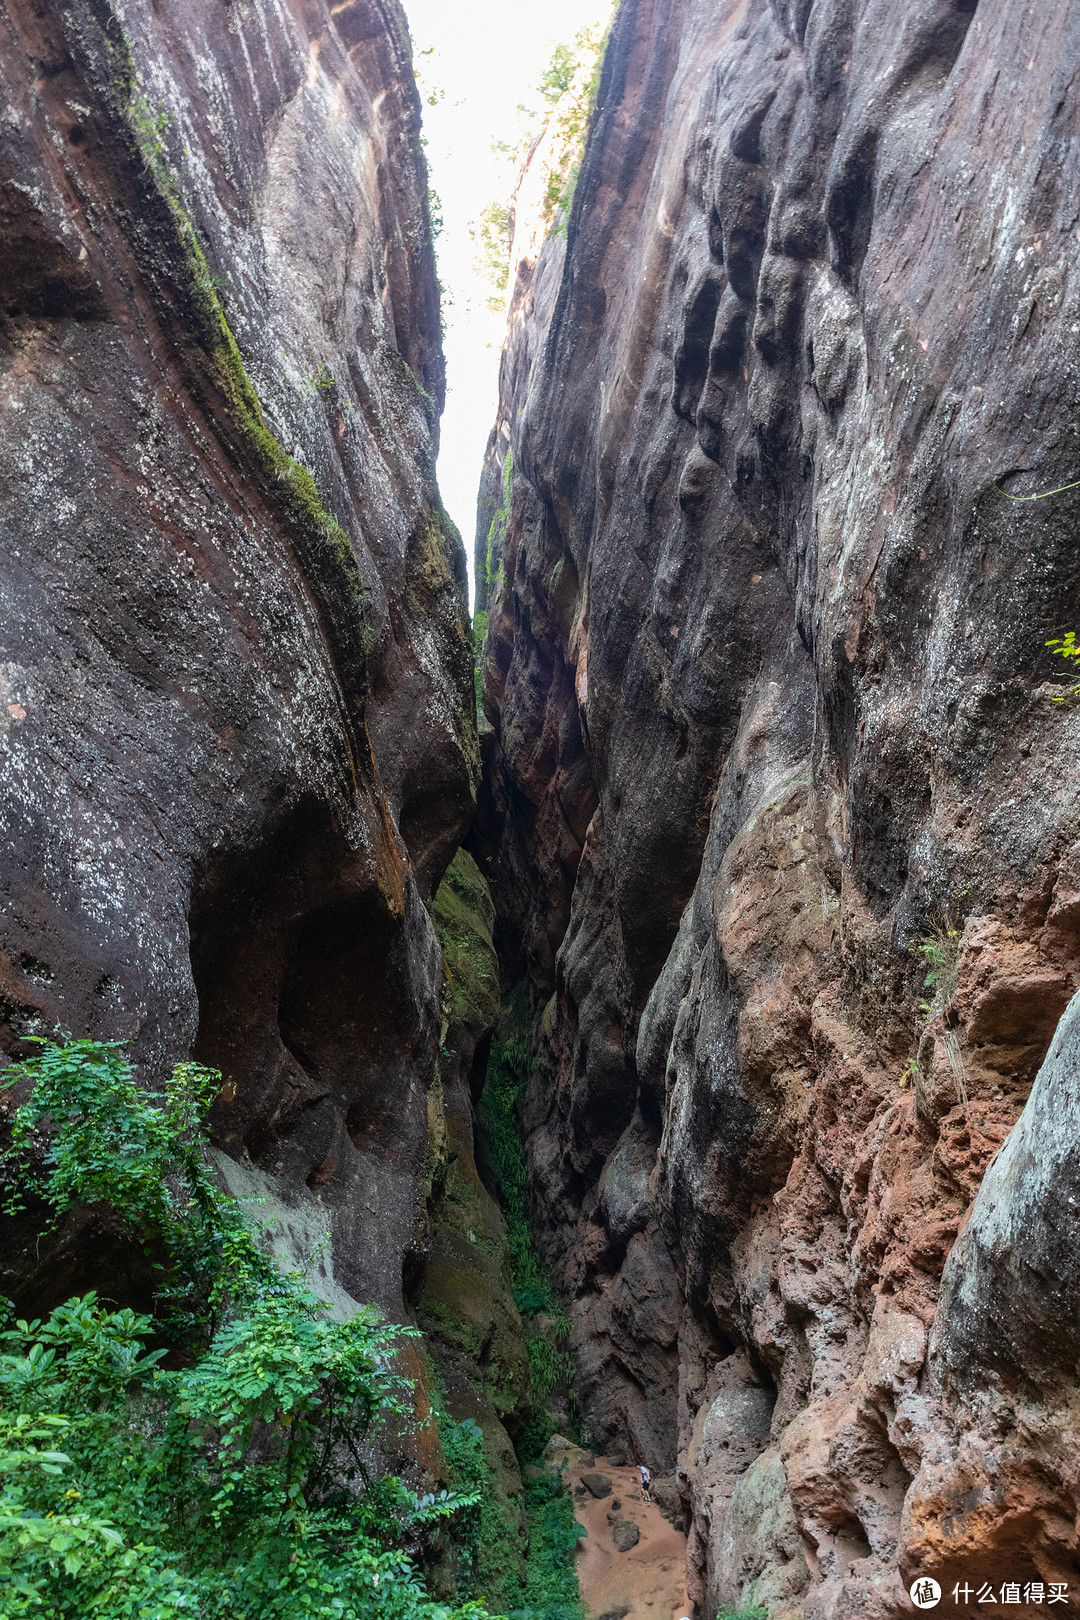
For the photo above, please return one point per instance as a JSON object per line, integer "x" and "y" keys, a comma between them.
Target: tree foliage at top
{"x": 567, "y": 91}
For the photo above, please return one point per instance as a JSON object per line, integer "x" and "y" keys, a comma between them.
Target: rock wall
{"x": 237, "y": 733}
{"x": 779, "y": 816}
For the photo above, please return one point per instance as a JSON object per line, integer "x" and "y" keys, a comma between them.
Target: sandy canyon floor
{"x": 632, "y": 1563}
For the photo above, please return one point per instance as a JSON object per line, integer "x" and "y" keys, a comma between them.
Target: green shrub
{"x": 551, "y": 1585}
{"x": 1068, "y": 648}
{"x": 492, "y": 234}
{"x": 234, "y": 1482}
{"x": 507, "y": 1075}
{"x": 567, "y": 90}
{"x": 486, "y": 1536}
{"x": 463, "y": 1447}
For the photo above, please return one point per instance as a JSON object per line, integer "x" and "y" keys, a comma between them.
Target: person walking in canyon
{"x": 646, "y": 1481}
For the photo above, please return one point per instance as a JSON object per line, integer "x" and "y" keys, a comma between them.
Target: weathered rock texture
{"x": 237, "y": 733}
{"x": 765, "y": 711}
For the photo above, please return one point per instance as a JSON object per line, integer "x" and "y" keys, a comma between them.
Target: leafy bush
{"x": 113, "y": 1143}
{"x": 493, "y": 234}
{"x": 463, "y": 1447}
{"x": 487, "y": 1537}
{"x": 233, "y": 1482}
{"x": 551, "y": 1585}
{"x": 567, "y": 90}
{"x": 508, "y": 1072}
{"x": 570, "y": 87}
{"x": 1068, "y": 648}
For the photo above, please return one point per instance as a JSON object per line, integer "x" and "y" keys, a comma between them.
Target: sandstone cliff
{"x": 779, "y": 817}
{"x": 237, "y": 733}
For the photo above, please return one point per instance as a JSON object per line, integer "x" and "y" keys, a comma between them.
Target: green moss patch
{"x": 464, "y": 918}
{"x": 546, "y": 1325}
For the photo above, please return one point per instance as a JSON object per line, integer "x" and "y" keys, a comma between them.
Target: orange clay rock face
{"x": 779, "y": 818}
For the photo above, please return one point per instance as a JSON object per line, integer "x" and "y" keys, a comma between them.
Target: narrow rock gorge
{"x": 759, "y": 864}
{"x": 778, "y": 813}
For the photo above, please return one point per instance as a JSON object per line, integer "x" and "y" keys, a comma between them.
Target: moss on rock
{"x": 466, "y": 1309}
{"x": 175, "y": 270}
{"x": 464, "y": 918}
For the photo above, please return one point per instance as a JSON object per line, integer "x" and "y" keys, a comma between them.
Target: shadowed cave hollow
{"x": 303, "y": 1001}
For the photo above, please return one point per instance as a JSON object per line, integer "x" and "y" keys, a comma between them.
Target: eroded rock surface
{"x": 237, "y": 730}
{"x": 766, "y": 712}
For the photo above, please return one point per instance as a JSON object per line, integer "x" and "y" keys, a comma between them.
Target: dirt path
{"x": 647, "y": 1580}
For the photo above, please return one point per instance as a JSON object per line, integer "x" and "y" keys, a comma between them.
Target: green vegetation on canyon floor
{"x": 545, "y": 1322}
{"x": 496, "y": 1332}
{"x": 216, "y": 1457}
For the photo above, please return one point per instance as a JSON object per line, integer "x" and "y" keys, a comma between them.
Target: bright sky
{"x": 487, "y": 56}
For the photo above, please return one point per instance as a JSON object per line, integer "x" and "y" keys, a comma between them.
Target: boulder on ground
{"x": 625, "y": 1535}
{"x": 562, "y": 1453}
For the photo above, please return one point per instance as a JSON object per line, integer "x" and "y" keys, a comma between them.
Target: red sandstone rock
{"x": 765, "y": 686}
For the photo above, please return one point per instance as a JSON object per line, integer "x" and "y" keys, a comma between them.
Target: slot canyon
{"x": 653, "y": 986}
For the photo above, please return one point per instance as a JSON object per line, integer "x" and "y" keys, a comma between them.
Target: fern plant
{"x": 940, "y": 950}
{"x": 940, "y": 953}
